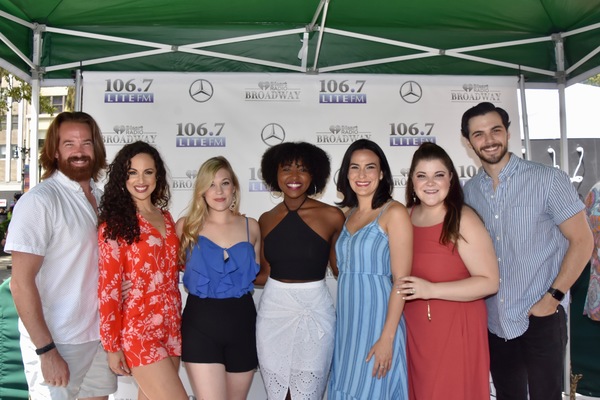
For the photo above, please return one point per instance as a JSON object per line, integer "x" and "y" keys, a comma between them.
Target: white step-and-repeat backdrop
{"x": 191, "y": 117}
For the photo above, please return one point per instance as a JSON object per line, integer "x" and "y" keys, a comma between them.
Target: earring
{"x": 414, "y": 196}
{"x": 315, "y": 192}
{"x": 275, "y": 196}
{"x": 234, "y": 202}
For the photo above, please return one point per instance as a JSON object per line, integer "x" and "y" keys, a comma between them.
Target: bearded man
{"x": 54, "y": 249}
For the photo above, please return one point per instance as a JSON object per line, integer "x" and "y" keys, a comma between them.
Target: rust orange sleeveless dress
{"x": 447, "y": 345}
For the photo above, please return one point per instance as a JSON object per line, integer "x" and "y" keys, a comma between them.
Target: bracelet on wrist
{"x": 45, "y": 349}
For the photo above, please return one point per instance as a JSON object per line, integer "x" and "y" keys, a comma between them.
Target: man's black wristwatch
{"x": 557, "y": 294}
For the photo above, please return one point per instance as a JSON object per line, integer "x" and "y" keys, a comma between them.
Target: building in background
{"x": 15, "y": 140}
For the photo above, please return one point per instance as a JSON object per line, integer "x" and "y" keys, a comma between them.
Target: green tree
{"x": 594, "y": 80}
{"x": 17, "y": 89}
{"x": 70, "y": 101}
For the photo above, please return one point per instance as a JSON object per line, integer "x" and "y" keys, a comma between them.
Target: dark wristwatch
{"x": 557, "y": 294}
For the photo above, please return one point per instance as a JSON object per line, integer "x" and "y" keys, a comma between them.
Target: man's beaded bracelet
{"x": 45, "y": 349}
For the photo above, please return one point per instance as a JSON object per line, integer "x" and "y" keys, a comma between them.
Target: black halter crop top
{"x": 294, "y": 251}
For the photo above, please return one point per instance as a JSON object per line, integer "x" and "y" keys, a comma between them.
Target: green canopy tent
{"x": 381, "y": 36}
{"x": 551, "y": 43}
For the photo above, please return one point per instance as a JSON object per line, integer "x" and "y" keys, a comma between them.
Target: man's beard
{"x": 77, "y": 174}
{"x": 492, "y": 159}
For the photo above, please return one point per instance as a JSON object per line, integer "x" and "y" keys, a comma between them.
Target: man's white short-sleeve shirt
{"x": 55, "y": 220}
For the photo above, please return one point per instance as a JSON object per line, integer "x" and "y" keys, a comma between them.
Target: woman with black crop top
{"x": 296, "y": 318}
{"x": 220, "y": 249}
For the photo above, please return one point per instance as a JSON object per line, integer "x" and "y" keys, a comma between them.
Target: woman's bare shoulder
{"x": 331, "y": 213}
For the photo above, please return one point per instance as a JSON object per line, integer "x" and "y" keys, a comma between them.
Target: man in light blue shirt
{"x": 542, "y": 241}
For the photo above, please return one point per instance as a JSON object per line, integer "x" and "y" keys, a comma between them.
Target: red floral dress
{"x": 147, "y": 325}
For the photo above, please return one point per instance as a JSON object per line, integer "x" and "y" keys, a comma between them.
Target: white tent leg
{"x": 561, "y": 79}
{"x": 564, "y": 164}
{"x": 524, "y": 118}
{"x": 35, "y": 105}
{"x": 78, "y": 87}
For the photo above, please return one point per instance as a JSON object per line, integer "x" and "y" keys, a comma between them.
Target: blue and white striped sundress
{"x": 364, "y": 286}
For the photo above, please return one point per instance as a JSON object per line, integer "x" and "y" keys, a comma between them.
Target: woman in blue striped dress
{"x": 374, "y": 249}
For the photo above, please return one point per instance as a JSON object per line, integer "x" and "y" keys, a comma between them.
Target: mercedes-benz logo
{"x": 272, "y": 134}
{"x": 411, "y": 92}
{"x": 336, "y": 177}
{"x": 201, "y": 90}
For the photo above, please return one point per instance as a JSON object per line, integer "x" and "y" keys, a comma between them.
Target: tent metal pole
{"x": 108, "y": 38}
{"x": 35, "y": 105}
{"x": 312, "y": 24}
{"x": 78, "y": 90}
{"x": 9, "y": 135}
{"x": 321, "y": 33}
{"x": 561, "y": 84}
{"x": 14, "y": 71}
{"x": 303, "y": 54}
{"x": 433, "y": 52}
{"x": 583, "y": 60}
{"x": 17, "y": 20}
{"x": 564, "y": 164}
{"x": 525, "y": 118}
{"x": 16, "y": 50}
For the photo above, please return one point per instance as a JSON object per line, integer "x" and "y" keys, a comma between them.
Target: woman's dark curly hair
{"x": 117, "y": 207}
{"x": 314, "y": 159}
{"x": 384, "y": 190}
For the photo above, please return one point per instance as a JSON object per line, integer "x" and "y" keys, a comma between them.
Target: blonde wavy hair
{"x": 197, "y": 210}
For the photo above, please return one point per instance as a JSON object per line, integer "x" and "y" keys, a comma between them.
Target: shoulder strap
{"x": 351, "y": 212}
{"x": 385, "y": 206}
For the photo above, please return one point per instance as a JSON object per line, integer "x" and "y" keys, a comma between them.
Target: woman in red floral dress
{"x": 138, "y": 244}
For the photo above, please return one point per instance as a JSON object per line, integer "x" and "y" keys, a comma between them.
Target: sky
{"x": 583, "y": 112}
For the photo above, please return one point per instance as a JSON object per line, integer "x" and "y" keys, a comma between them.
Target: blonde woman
{"x": 220, "y": 250}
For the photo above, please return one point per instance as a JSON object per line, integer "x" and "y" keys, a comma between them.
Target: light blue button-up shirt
{"x": 522, "y": 216}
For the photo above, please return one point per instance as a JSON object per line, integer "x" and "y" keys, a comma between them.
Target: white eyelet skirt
{"x": 295, "y": 330}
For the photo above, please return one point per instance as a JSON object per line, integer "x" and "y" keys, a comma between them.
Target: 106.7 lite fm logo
{"x": 333, "y": 91}
{"x": 411, "y": 133}
{"x": 128, "y": 91}
{"x": 201, "y": 134}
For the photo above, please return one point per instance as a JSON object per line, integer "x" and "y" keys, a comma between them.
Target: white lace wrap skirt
{"x": 295, "y": 330}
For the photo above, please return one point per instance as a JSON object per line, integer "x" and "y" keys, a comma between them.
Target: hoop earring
{"x": 275, "y": 196}
{"x": 315, "y": 188}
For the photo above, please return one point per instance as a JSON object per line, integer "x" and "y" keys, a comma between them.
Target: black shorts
{"x": 220, "y": 331}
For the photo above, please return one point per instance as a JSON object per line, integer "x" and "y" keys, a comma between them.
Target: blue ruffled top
{"x": 215, "y": 272}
